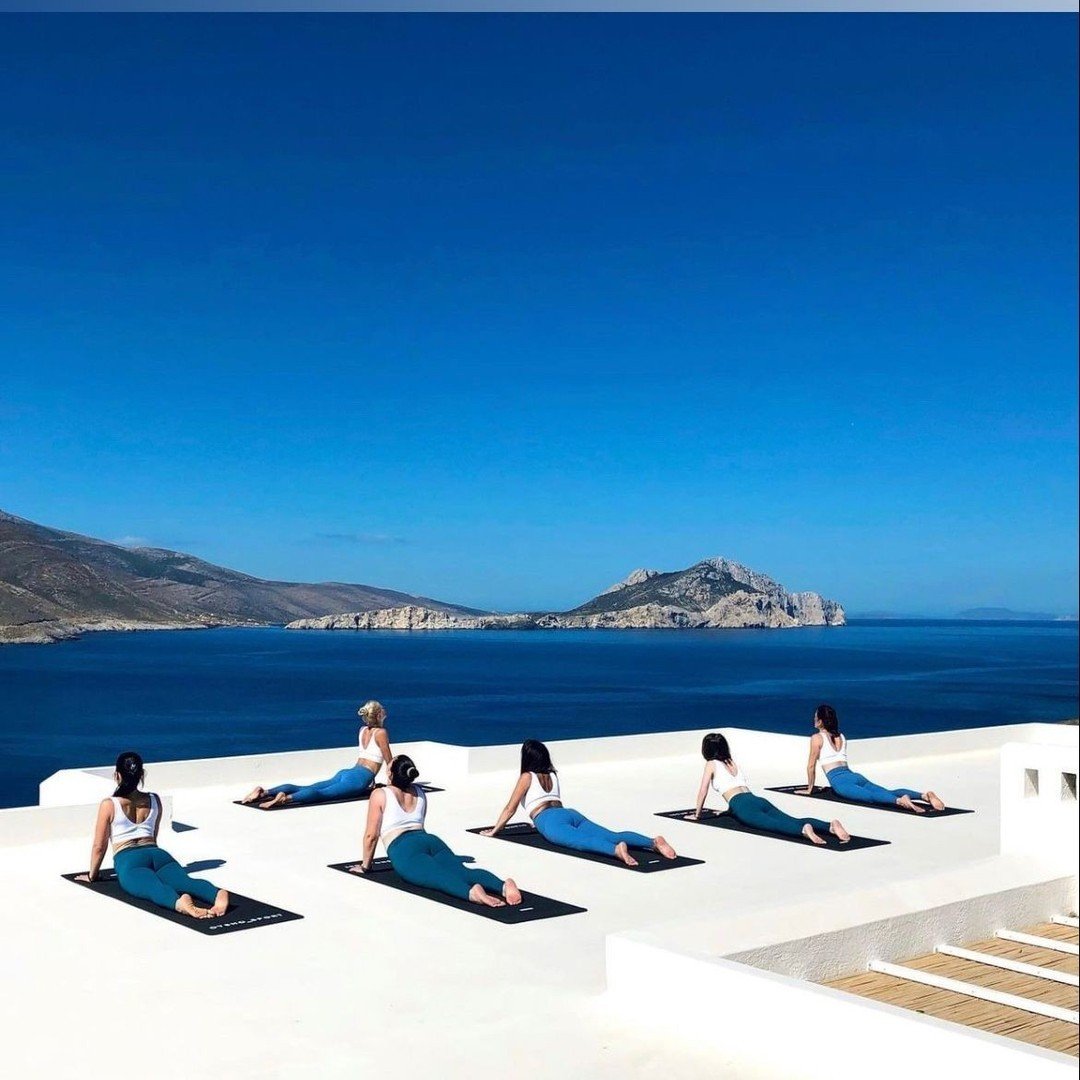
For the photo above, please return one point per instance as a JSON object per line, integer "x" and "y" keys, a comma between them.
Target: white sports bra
{"x": 371, "y": 752}
{"x": 396, "y": 817}
{"x": 723, "y": 781}
{"x": 829, "y": 754}
{"x": 124, "y": 830}
{"x": 536, "y": 795}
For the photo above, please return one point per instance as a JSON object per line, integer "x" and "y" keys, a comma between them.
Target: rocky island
{"x": 712, "y": 594}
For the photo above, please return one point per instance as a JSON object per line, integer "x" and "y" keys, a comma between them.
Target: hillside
{"x": 54, "y": 584}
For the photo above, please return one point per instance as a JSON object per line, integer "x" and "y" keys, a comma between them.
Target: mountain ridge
{"x": 56, "y": 584}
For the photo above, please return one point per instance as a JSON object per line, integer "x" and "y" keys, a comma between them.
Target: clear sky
{"x": 498, "y": 308}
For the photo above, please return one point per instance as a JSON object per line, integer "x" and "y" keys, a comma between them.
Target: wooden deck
{"x": 960, "y": 1009}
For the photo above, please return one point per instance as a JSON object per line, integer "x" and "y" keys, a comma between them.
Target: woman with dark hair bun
{"x": 538, "y": 793}
{"x": 130, "y": 818}
{"x": 728, "y": 781}
{"x": 828, "y": 748}
{"x": 396, "y": 814}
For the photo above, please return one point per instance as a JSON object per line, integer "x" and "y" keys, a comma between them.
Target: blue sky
{"x": 496, "y": 309}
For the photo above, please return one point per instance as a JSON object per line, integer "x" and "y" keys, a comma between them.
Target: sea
{"x": 206, "y": 693}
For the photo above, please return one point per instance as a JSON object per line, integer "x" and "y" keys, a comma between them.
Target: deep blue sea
{"x": 187, "y": 694}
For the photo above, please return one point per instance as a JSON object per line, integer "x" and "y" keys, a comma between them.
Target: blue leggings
{"x": 855, "y": 786}
{"x": 759, "y": 813}
{"x": 152, "y": 874}
{"x": 423, "y": 859}
{"x": 345, "y": 782}
{"x": 568, "y": 828}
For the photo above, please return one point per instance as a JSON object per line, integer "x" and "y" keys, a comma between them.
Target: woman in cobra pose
{"x": 538, "y": 793}
{"x": 727, "y": 779}
{"x": 355, "y": 780}
{"x": 396, "y": 815}
{"x": 130, "y": 818}
{"x": 828, "y": 748}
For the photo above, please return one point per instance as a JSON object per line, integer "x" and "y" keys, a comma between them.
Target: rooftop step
{"x": 961, "y": 985}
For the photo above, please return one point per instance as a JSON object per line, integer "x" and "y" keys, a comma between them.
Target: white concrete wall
{"x": 444, "y": 761}
{"x": 967, "y": 905}
{"x": 1043, "y": 822}
{"x": 792, "y": 1028}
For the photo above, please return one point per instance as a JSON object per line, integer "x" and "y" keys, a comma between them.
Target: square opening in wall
{"x": 1031, "y": 783}
{"x": 1068, "y": 787}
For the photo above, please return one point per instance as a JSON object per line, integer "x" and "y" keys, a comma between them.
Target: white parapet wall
{"x": 1039, "y": 811}
{"x": 756, "y": 749}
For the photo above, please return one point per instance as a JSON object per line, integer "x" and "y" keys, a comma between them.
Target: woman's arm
{"x": 811, "y": 765}
{"x": 382, "y": 741}
{"x": 371, "y": 831}
{"x": 100, "y": 844}
{"x": 703, "y": 790}
{"x": 511, "y": 807}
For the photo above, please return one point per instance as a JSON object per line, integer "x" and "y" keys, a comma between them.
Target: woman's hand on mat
{"x": 808, "y": 790}
{"x": 83, "y": 877}
{"x": 487, "y": 832}
{"x": 358, "y": 868}
{"x": 694, "y": 815}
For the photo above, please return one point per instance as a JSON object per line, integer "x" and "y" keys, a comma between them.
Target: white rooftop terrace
{"x": 375, "y": 979}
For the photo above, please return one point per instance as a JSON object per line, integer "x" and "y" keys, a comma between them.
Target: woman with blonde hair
{"x": 374, "y": 745}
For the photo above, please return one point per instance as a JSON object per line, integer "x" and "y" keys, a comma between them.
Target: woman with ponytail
{"x": 727, "y": 780}
{"x": 396, "y": 814}
{"x": 374, "y": 750}
{"x": 829, "y": 749}
{"x": 131, "y": 819}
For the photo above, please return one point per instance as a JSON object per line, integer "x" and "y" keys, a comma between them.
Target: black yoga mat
{"x": 648, "y": 862}
{"x": 829, "y": 795}
{"x": 244, "y": 913}
{"x": 362, "y": 797}
{"x": 531, "y": 909}
{"x": 723, "y": 819}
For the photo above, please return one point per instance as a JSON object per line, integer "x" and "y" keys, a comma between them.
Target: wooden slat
{"x": 1040, "y": 941}
{"x": 1022, "y": 1002}
{"x": 1006, "y": 964}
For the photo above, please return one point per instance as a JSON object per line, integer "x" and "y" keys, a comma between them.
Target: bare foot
{"x": 478, "y": 896}
{"x": 277, "y": 800}
{"x": 664, "y": 848}
{"x": 221, "y": 904}
{"x": 808, "y": 832}
{"x": 839, "y": 832}
{"x": 622, "y": 853}
{"x": 511, "y": 892}
{"x": 907, "y": 804}
{"x": 934, "y": 801}
{"x": 255, "y": 793}
{"x": 186, "y": 906}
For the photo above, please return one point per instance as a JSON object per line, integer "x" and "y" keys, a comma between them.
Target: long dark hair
{"x": 714, "y": 747}
{"x": 129, "y": 767}
{"x": 403, "y": 772}
{"x": 535, "y": 757}
{"x": 829, "y": 722}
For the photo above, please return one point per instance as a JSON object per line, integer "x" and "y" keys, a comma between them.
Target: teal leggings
{"x": 570, "y": 829}
{"x": 759, "y": 813}
{"x": 343, "y": 784}
{"x": 424, "y": 860}
{"x": 152, "y": 874}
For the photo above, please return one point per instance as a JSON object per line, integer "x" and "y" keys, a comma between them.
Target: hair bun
{"x": 412, "y": 772}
